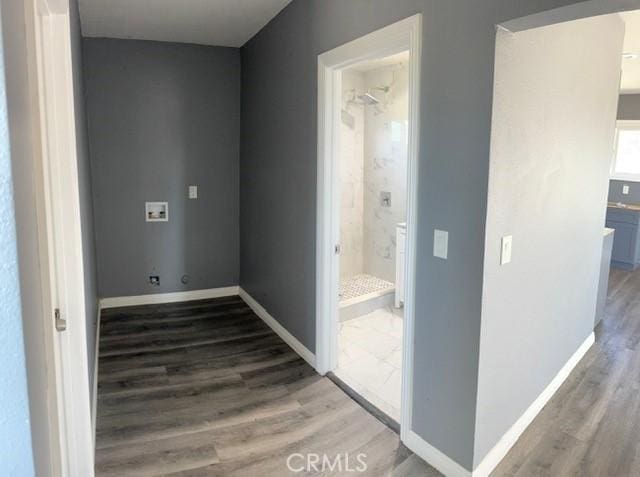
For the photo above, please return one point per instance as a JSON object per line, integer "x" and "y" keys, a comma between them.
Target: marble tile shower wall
{"x": 373, "y": 167}
{"x": 352, "y": 178}
{"x": 385, "y": 168}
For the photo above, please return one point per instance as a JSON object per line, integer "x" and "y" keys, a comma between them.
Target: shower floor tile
{"x": 363, "y": 284}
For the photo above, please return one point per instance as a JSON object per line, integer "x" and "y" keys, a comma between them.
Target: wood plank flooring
{"x": 591, "y": 427}
{"x": 205, "y": 388}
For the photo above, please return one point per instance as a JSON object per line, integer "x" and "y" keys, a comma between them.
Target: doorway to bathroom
{"x": 372, "y": 197}
{"x": 367, "y": 187}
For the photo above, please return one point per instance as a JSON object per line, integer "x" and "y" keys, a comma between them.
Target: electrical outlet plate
{"x": 440, "y": 243}
{"x": 193, "y": 192}
{"x": 156, "y": 211}
{"x": 625, "y": 189}
{"x": 505, "y": 252}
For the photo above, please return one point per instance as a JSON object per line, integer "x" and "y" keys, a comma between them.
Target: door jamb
{"x": 56, "y": 187}
{"x": 400, "y": 36}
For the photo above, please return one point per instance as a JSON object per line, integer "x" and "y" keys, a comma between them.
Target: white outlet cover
{"x": 505, "y": 252}
{"x": 193, "y": 192}
{"x": 440, "y": 243}
{"x": 625, "y": 189}
{"x": 156, "y": 211}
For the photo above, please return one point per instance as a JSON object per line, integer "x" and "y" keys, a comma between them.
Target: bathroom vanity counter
{"x": 621, "y": 206}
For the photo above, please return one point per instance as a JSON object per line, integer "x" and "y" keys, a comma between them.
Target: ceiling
{"x": 205, "y": 22}
{"x": 631, "y": 67}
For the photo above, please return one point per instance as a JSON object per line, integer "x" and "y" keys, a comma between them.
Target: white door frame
{"x": 59, "y": 235}
{"x": 401, "y": 36}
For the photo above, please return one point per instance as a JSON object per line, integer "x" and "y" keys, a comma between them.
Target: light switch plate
{"x": 505, "y": 253}
{"x": 625, "y": 189}
{"x": 193, "y": 192}
{"x": 440, "y": 243}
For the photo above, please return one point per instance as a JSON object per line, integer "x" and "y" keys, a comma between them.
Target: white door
{"x": 59, "y": 233}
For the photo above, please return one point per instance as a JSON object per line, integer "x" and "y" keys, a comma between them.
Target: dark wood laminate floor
{"x": 207, "y": 389}
{"x": 591, "y": 427}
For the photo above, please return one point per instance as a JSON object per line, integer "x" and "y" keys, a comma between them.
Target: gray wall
{"x": 278, "y": 178}
{"x": 551, "y": 148}
{"x": 86, "y": 200}
{"x": 616, "y": 195}
{"x": 629, "y": 107}
{"x": 16, "y": 455}
{"x": 163, "y": 116}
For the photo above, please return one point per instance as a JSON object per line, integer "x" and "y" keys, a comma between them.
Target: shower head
{"x": 368, "y": 98}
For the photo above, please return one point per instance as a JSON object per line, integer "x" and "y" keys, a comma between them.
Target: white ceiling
{"x": 205, "y": 22}
{"x": 631, "y": 67}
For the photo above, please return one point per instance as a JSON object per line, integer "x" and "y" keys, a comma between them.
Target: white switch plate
{"x": 440, "y": 243}
{"x": 193, "y": 192}
{"x": 505, "y": 253}
{"x": 625, "y": 189}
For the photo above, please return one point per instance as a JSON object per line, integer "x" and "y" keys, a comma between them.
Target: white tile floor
{"x": 370, "y": 358}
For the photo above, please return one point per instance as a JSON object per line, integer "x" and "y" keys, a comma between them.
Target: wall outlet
{"x": 440, "y": 243}
{"x": 385, "y": 199}
{"x": 193, "y": 192}
{"x": 505, "y": 253}
{"x": 625, "y": 189}
{"x": 154, "y": 280}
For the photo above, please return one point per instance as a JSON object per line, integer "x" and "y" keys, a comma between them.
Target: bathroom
{"x": 373, "y": 197}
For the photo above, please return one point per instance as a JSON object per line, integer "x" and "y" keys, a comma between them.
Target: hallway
{"x": 590, "y": 427}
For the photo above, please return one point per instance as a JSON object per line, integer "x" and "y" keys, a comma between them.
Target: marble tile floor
{"x": 370, "y": 358}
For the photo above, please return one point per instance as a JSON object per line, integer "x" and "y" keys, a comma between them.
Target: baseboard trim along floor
{"x": 94, "y": 396}
{"x": 450, "y": 468}
{"x": 287, "y": 337}
{"x": 434, "y": 457}
{"x": 499, "y": 451}
{"x": 158, "y": 298}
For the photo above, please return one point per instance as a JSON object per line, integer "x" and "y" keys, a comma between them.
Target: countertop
{"x": 618, "y": 205}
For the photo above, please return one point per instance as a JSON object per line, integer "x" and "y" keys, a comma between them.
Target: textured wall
{"x": 551, "y": 147}
{"x": 16, "y": 456}
{"x": 163, "y": 116}
{"x": 23, "y": 170}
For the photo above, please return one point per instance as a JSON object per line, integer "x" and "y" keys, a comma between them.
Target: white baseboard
{"x": 287, "y": 337}
{"x": 497, "y": 453}
{"x": 157, "y": 298}
{"x": 94, "y": 397}
{"x": 450, "y": 468}
{"x": 435, "y": 458}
